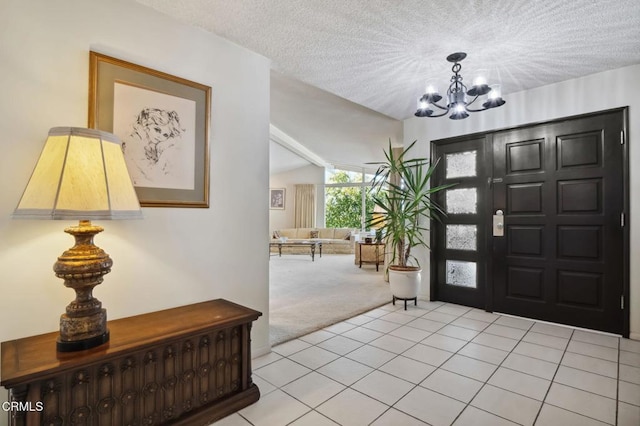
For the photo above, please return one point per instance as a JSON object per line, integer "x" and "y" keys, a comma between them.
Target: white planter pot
{"x": 404, "y": 283}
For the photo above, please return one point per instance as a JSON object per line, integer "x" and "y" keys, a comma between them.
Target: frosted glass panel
{"x": 461, "y": 201}
{"x": 462, "y": 274}
{"x": 461, "y": 164}
{"x": 462, "y": 237}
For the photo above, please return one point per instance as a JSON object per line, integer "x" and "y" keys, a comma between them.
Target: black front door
{"x": 558, "y": 189}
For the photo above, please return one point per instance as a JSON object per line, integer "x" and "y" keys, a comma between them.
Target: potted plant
{"x": 402, "y": 197}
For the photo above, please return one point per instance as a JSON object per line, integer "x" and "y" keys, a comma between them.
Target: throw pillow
{"x": 314, "y": 234}
{"x": 276, "y": 234}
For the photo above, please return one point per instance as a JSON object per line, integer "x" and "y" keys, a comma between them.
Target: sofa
{"x": 334, "y": 240}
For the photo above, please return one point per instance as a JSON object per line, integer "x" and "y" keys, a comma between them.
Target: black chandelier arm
{"x": 474, "y": 110}
{"x": 441, "y": 107}
{"x": 477, "y": 110}
{"x": 473, "y": 100}
{"x": 446, "y": 111}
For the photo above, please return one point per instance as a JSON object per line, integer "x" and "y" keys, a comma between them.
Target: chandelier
{"x": 458, "y": 95}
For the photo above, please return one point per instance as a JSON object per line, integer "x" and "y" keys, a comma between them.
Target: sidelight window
{"x": 462, "y": 237}
{"x": 462, "y": 274}
{"x": 461, "y": 201}
{"x": 461, "y": 164}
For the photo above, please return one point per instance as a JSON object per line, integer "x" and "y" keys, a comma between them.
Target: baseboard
{"x": 262, "y": 350}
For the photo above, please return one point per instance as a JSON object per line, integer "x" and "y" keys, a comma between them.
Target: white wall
{"x": 279, "y": 219}
{"x": 602, "y": 91}
{"x": 173, "y": 256}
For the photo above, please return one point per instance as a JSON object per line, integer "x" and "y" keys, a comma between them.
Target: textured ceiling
{"x": 378, "y": 54}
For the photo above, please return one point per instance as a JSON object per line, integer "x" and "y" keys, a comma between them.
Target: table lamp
{"x": 81, "y": 174}
{"x": 378, "y": 219}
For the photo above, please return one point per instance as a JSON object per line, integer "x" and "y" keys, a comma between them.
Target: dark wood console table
{"x": 189, "y": 365}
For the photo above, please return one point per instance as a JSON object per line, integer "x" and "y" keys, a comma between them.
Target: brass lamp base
{"x": 82, "y": 267}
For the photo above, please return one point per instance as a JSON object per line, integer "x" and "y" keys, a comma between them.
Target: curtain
{"x": 305, "y": 206}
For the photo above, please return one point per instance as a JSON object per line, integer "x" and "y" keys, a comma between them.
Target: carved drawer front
{"x": 151, "y": 387}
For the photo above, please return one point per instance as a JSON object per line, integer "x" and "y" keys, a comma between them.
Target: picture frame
{"x": 277, "y": 198}
{"x": 163, "y": 123}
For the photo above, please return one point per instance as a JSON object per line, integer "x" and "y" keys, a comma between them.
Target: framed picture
{"x": 163, "y": 123}
{"x": 276, "y": 198}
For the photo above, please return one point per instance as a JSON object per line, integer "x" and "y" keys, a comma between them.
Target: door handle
{"x": 498, "y": 224}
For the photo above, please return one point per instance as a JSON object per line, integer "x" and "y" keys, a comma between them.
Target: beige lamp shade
{"x": 377, "y": 217}
{"x": 81, "y": 174}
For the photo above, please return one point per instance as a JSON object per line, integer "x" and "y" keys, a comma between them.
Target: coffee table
{"x": 310, "y": 243}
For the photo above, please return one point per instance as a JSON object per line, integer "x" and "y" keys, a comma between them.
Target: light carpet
{"x": 306, "y": 296}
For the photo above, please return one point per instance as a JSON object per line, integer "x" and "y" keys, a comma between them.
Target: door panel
{"x": 561, "y": 257}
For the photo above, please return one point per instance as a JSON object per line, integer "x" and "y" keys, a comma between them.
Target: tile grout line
{"x": 374, "y": 369}
{"x": 415, "y": 343}
{"x": 436, "y": 367}
{"x": 486, "y": 382}
{"x": 529, "y": 329}
{"x": 470, "y": 341}
{"x": 397, "y": 355}
{"x": 618, "y": 384}
{"x": 552, "y": 381}
{"x": 339, "y": 356}
{"x": 559, "y": 364}
{"x": 565, "y": 349}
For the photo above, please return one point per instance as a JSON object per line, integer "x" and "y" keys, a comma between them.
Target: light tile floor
{"x": 443, "y": 364}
